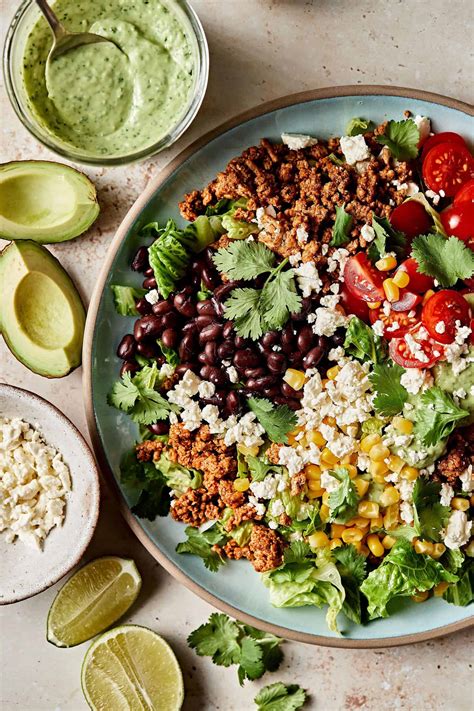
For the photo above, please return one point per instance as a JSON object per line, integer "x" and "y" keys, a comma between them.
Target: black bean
{"x": 127, "y": 347}
{"x": 187, "y": 347}
{"x": 306, "y": 305}
{"x": 205, "y": 308}
{"x": 170, "y": 320}
{"x": 147, "y": 350}
{"x": 149, "y": 326}
{"x": 217, "y": 376}
{"x": 221, "y": 292}
{"x": 210, "y": 351}
{"x": 183, "y": 367}
{"x": 265, "y": 382}
{"x": 149, "y": 283}
{"x": 184, "y": 305}
{"x": 270, "y": 339}
{"x": 204, "y": 372}
{"x": 338, "y": 338}
{"x": 226, "y": 350}
{"x": 288, "y": 335}
{"x": 209, "y": 255}
{"x": 196, "y": 267}
{"x": 312, "y": 358}
{"x": 169, "y": 337}
{"x": 232, "y": 403}
{"x": 246, "y": 358}
{"x": 149, "y": 272}
{"x": 254, "y": 372}
{"x": 295, "y": 358}
{"x": 288, "y": 391}
{"x": 252, "y": 385}
{"x": 208, "y": 278}
{"x": 240, "y": 342}
{"x": 202, "y": 358}
{"x": 276, "y": 362}
{"x": 288, "y": 347}
{"x": 129, "y": 367}
{"x": 323, "y": 342}
{"x": 143, "y": 307}
{"x": 228, "y": 329}
{"x": 190, "y": 327}
{"x": 162, "y": 308}
{"x": 305, "y": 339}
{"x": 294, "y": 404}
{"x": 272, "y": 392}
{"x": 280, "y": 400}
{"x": 159, "y": 428}
{"x": 140, "y": 260}
{"x": 203, "y": 321}
{"x": 210, "y": 332}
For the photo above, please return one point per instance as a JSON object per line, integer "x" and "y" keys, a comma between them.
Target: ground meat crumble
{"x": 458, "y": 456}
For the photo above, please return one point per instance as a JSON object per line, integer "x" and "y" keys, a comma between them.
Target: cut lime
{"x": 131, "y": 668}
{"x": 92, "y": 600}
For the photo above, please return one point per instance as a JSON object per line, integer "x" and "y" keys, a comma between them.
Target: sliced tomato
{"x": 443, "y": 312}
{"x": 420, "y": 351}
{"x": 407, "y": 301}
{"x": 447, "y": 167}
{"x": 396, "y": 324}
{"x": 411, "y": 218}
{"x": 354, "y": 306}
{"x": 458, "y": 220}
{"x": 443, "y": 137}
{"x": 362, "y": 279}
{"x": 419, "y": 283}
{"x": 465, "y": 194}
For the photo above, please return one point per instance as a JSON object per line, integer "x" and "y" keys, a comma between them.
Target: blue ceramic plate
{"x": 237, "y": 589}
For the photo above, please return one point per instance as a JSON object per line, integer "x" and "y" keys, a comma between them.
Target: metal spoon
{"x": 63, "y": 39}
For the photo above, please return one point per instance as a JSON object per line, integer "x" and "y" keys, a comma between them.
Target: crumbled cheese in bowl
{"x": 34, "y": 482}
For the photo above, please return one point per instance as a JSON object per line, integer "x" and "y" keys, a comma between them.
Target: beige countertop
{"x": 260, "y": 50}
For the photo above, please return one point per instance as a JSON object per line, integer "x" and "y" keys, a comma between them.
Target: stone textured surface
{"x": 260, "y": 49}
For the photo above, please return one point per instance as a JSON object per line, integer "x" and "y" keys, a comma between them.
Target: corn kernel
{"x": 392, "y": 292}
{"x": 331, "y": 421}
{"x": 438, "y": 550}
{"x": 328, "y": 457}
{"x": 313, "y": 494}
{"x": 295, "y": 378}
{"x": 333, "y": 372}
{"x": 347, "y": 459}
{"x": 363, "y": 550}
{"x": 312, "y": 472}
{"x": 428, "y": 295}
{"x": 336, "y": 530}
{"x": 390, "y": 519}
{"x": 368, "y": 509}
{"x": 395, "y": 463}
{"x": 376, "y": 523}
{"x": 335, "y": 543}
{"x": 318, "y": 539}
{"x": 241, "y": 484}
{"x": 440, "y": 589}
{"x": 315, "y": 488}
{"x": 248, "y": 451}
{"x": 374, "y": 304}
{"x": 374, "y": 545}
{"x": 324, "y": 513}
{"x": 386, "y": 264}
{"x": 361, "y": 485}
{"x": 389, "y": 496}
{"x": 424, "y": 547}
{"x": 388, "y": 542}
{"x": 459, "y": 503}
{"x": 403, "y": 425}
{"x": 360, "y": 522}
{"x": 378, "y": 469}
{"x": 401, "y": 279}
{"x": 324, "y": 466}
{"x": 326, "y": 496}
{"x": 315, "y": 437}
{"x": 369, "y": 441}
{"x": 352, "y": 535}
{"x": 410, "y": 473}
{"x": 420, "y": 596}
{"x": 379, "y": 452}
{"x": 351, "y": 470}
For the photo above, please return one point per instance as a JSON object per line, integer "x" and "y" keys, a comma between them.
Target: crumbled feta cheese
{"x": 467, "y": 479}
{"x": 206, "y": 389}
{"x": 415, "y": 380}
{"x": 433, "y": 196}
{"x": 460, "y": 393}
{"x": 446, "y": 494}
{"x": 152, "y": 296}
{"x": 458, "y": 530}
{"x": 415, "y": 348}
{"x": 232, "y": 374}
{"x": 297, "y": 141}
{"x": 295, "y": 259}
{"x": 308, "y": 280}
{"x": 336, "y": 354}
{"x": 191, "y": 415}
{"x": 355, "y": 148}
{"x": 166, "y": 371}
{"x": 259, "y": 507}
{"x": 324, "y": 249}
{"x": 302, "y": 234}
{"x": 378, "y": 327}
{"x": 246, "y": 431}
{"x": 368, "y": 233}
{"x": 440, "y": 327}
{"x": 265, "y": 489}
{"x": 338, "y": 259}
{"x": 289, "y": 458}
{"x": 424, "y": 126}
{"x": 277, "y": 507}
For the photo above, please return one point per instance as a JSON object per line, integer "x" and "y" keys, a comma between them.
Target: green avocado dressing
{"x": 112, "y": 99}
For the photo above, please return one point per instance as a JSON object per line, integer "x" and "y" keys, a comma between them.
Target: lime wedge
{"x": 131, "y": 668}
{"x": 92, "y": 600}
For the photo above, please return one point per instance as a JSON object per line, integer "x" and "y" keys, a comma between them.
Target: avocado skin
{"x": 24, "y": 260}
{"x": 52, "y": 177}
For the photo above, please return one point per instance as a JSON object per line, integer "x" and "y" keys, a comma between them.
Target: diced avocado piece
{"x": 41, "y": 313}
{"x": 44, "y": 201}
{"x": 463, "y": 381}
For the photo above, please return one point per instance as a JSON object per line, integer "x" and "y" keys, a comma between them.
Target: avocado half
{"x": 41, "y": 313}
{"x": 45, "y": 202}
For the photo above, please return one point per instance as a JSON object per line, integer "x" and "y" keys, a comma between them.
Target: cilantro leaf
{"x": 296, "y": 552}
{"x": 362, "y": 343}
{"x": 341, "y": 227}
{"x": 244, "y": 260}
{"x": 124, "y": 299}
{"x": 280, "y": 697}
{"x": 277, "y": 421}
{"x": 356, "y": 126}
{"x": 436, "y": 416}
{"x": 201, "y": 544}
{"x": 279, "y": 299}
{"x": 447, "y": 260}
{"x": 124, "y": 393}
{"x": 430, "y": 516}
{"x": 218, "y": 638}
{"x": 258, "y": 469}
{"x": 171, "y": 356}
{"x": 402, "y": 138}
{"x": 386, "y": 239}
{"x": 343, "y": 500}
{"x": 244, "y": 308}
{"x": 391, "y": 396}
{"x": 352, "y": 569}
{"x": 251, "y": 660}
{"x": 144, "y": 477}
{"x": 137, "y": 397}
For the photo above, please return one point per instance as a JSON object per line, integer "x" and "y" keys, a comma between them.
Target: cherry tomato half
{"x": 442, "y": 311}
{"x": 458, "y": 220}
{"x": 396, "y": 324}
{"x": 363, "y": 280}
{"x": 420, "y": 352}
{"x": 447, "y": 167}
{"x": 407, "y": 301}
{"x": 354, "y": 306}
{"x": 419, "y": 283}
{"x": 411, "y": 218}
{"x": 465, "y": 194}
{"x": 443, "y": 137}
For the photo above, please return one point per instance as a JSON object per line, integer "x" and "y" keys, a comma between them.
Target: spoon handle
{"x": 57, "y": 28}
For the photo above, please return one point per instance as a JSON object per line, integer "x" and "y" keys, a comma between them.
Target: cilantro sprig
{"x": 437, "y": 415}
{"x": 343, "y": 500}
{"x": 430, "y": 516}
{"x": 362, "y": 343}
{"x": 402, "y": 138}
{"x": 138, "y": 398}
{"x": 280, "y": 697}
{"x": 202, "y": 544}
{"x": 231, "y": 642}
{"x": 341, "y": 227}
{"x": 390, "y": 396}
{"x": 387, "y": 239}
{"x": 447, "y": 260}
{"x": 256, "y": 311}
{"x": 277, "y": 420}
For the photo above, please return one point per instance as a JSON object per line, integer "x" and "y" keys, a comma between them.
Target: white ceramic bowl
{"x": 24, "y": 571}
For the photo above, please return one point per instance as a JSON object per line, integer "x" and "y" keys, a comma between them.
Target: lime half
{"x": 92, "y": 600}
{"x": 131, "y": 668}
